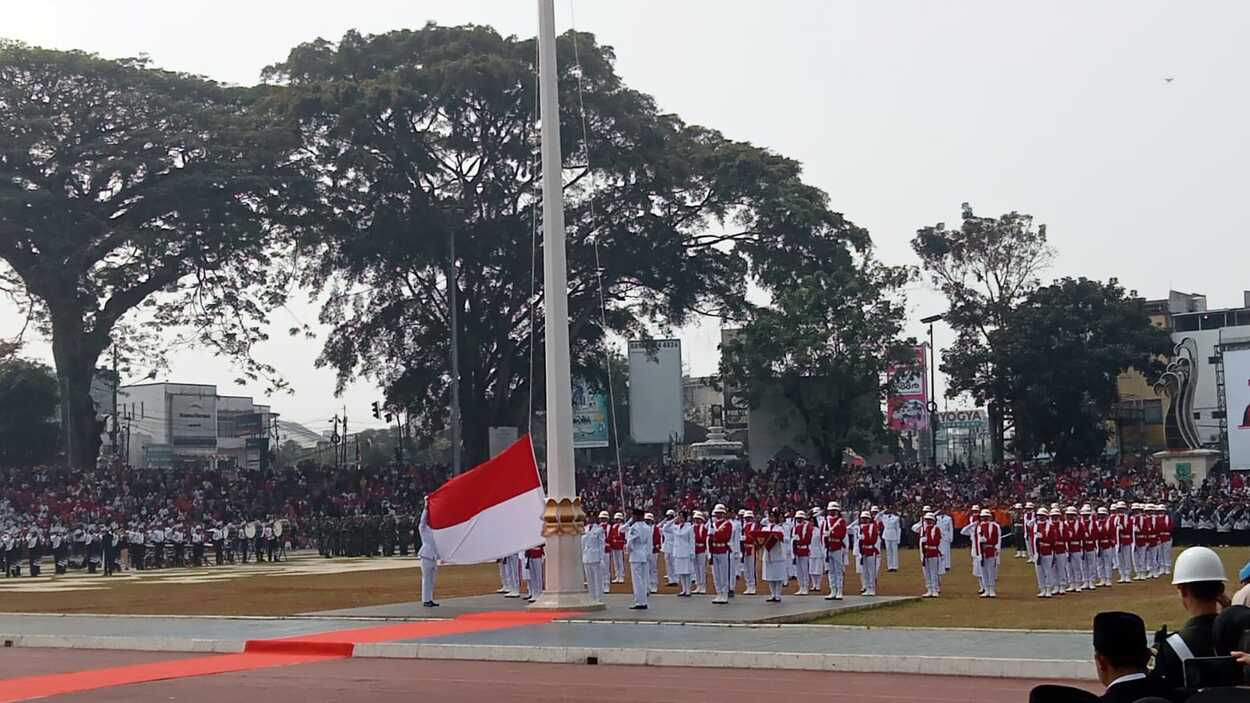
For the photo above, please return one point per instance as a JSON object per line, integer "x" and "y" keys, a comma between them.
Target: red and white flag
{"x": 490, "y": 511}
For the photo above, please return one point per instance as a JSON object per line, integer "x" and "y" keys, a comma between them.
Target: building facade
{"x": 174, "y": 424}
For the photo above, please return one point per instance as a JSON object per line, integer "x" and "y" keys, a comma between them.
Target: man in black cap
{"x": 1121, "y": 656}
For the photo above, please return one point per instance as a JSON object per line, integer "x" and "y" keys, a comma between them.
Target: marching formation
{"x": 147, "y": 546}
{"x": 1072, "y": 549}
{"x": 1079, "y": 550}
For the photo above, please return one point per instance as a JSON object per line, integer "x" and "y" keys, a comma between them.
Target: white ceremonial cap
{"x": 929, "y": 516}
{"x": 648, "y": 516}
{"x": 603, "y": 514}
{"x": 800, "y": 515}
{"x": 833, "y": 505}
{"x": 986, "y": 513}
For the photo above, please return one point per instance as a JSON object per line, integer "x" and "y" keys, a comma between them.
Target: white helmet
{"x": 1102, "y": 510}
{"x": 926, "y": 509}
{"x": 718, "y": 510}
{"x": 1085, "y": 510}
{"x": 619, "y": 516}
{"x": 929, "y": 516}
{"x": 749, "y": 514}
{"x": 670, "y": 513}
{"x": 833, "y": 505}
{"x": 603, "y": 515}
{"x": 1029, "y": 505}
{"x": 697, "y": 515}
{"x": 1017, "y": 506}
{"x": 1070, "y": 510}
{"x": 986, "y": 513}
{"x": 648, "y": 516}
{"x": 865, "y": 515}
{"x": 876, "y": 509}
{"x": 800, "y": 515}
{"x": 1198, "y": 564}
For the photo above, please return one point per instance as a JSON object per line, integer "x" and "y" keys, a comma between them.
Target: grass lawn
{"x": 1017, "y": 605}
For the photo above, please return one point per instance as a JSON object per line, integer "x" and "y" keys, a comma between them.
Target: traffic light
{"x": 388, "y": 418}
{"x": 377, "y": 413}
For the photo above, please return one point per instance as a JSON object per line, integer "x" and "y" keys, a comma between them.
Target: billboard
{"x": 193, "y": 420}
{"x": 656, "y": 415}
{"x": 968, "y": 419}
{"x": 907, "y": 405}
{"x": 737, "y": 409}
{"x": 1237, "y": 404}
{"x": 590, "y": 416}
{"x": 250, "y": 424}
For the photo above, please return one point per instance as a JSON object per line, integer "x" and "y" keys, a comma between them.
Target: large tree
{"x": 825, "y": 344}
{"x": 1067, "y": 344}
{"x": 123, "y": 187}
{"x": 985, "y": 268}
{"x": 430, "y": 135}
{"x": 28, "y": 404}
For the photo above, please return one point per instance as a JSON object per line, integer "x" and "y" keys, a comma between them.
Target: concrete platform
{"x": 506, "y": 638}
{"x": 666, "y": 608}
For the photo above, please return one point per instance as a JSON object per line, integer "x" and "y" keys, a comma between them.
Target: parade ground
{"x": 309, "y": 627}
{"x": 387, "y": 587}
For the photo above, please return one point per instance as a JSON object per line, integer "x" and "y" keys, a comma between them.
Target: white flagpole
{"x": 563, "y": 519}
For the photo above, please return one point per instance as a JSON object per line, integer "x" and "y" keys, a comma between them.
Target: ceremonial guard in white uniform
{"x": 802, "y": 546}
{"x": 616, "y": 547}
{"x": 735, "y": 553}
{"x": 750, "y": 528}
{"x": 1030, "y": 529}
{"x": 891, "y": 534}
{"x": 638, "y": 540}
{"x": 969, "y": 530}
{"x": 1043, "y": 549}
{"x": 700, "y": 552}
{"x": 594, "y": 540}
{"x": 930, "y": 553}
{"x": 772, "y": 540}
{"x": 681, "y": 537}
{"x": 667, "y": 549}
{"x": 429, "y": 559}
{"x": 989, "y": 540}
{"x": 816, "y": 560}
{"x": 947, "y": 524}
{"x": 834, "y": 538}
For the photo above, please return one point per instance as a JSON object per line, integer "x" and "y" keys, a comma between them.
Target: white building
{"x": 167, "y": 424}
{"x": 1208, "y": 328}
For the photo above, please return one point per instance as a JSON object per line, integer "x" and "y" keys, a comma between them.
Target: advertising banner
{"x": 656, "y": 414}
{"x": 967, "y": 419}
{"x": 907, "y": 404}
{"x": 193, "y": 420}
{"x": 1237, "y": 404}
{"x": 590, "y": 416}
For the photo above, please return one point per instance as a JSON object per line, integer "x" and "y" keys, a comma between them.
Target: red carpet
{"x": 262, "y": 654}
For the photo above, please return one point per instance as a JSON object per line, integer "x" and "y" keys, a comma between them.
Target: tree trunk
{"x": 75, "y": 367}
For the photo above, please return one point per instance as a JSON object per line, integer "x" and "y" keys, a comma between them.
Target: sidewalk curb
{"x": 862, "y": 663}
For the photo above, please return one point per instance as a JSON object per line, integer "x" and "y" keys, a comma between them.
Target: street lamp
{"x": 932, "y": 387}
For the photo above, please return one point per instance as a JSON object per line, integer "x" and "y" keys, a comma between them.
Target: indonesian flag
{"x": 491, "y": 511}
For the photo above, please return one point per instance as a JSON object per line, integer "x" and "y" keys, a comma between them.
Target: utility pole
{"x": 117, "y": 379}
{"x": 345, "y": 435}
{"x": 455, "y": 355}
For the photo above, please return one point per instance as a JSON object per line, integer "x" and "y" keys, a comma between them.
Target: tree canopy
{"x": 985, "y": 268}
{"x": 124, "y": 187}
{"x": 424, "y": 136}
{"x": 1061, "y": 355}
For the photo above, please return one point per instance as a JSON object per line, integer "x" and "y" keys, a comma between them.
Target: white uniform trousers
{"x": 700, "y": 572}
{"x": 618, "y": 565}
{"x": 837, "y": 570}
{"x": 1139, "y": 561}
{"x": 641, "y": 581}
{"x": 748, "y": 570}
{"x": 945, "y": 549}
{"x": 1044, "y": 565}
{"x": 932, "y": 574}
{"x": 1167, "y": 556}
{"x": 891, "y": 555}
{"x": 1124, "y": 562}
{"x": 594, "y": 578}
{"x": 803, "y": 569}
{"x": 512, "y": 570}
{"x": 1107, "y": 559}
{"x": 721, "y": 575}
{"x": 1060, "y": 579}
{"x": 774, "y": 589}
{"x": 989, "y": 574}
{"x": 429, "y": 572}
{"x": 535, "y": 567}
{"x": 670, "y": 573}
{"x": 868, "y": 574}
{"x": 653, "y": 572}
{"x": 1030, "y": 551}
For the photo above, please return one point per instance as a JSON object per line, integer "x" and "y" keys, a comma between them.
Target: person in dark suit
{"x": 1121, "y": 657}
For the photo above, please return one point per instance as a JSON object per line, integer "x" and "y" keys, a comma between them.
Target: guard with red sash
{"x": 802, "y": 542}
{"x": 989, "y": 540}
{"x": 534, "y": 558}
{"x": 1089, "y": 547}
{"x": 1141, "y": 540}
{"x": 1165, "y": 525}
{"x": 1123, "y": 541}
{"x": 616, "y": 547}
{"x": 720, "y": 534}
{"x": 1105, "y": 534}
{"x": 700, "y": 552}
{"x": 657, "y": 546}
{"x": 931, "y": 555}
{"x": 868, "y": 538}
{"x": 1063, "y": 574}
{"x": 1153, "y": 556}
{"x": 1043, "y": 550}
{"x": 749, "y": 529}
{"x": 835, "y": 549}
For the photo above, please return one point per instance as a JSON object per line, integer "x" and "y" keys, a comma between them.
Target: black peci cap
{"x": 1119, "y": 634}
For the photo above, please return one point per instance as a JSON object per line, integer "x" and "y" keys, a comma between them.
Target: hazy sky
{"x": 900, "y": 111}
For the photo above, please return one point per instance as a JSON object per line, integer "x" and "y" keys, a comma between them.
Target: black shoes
{"x": 430, "y": 604}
